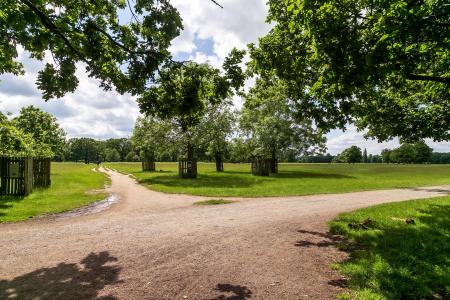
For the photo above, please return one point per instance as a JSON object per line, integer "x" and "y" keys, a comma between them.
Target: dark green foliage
{"x": 365, "y": 159}
{"x": 383, "y": 65}
{"x": 84, "y": 149}
{"x": 121, "y": 145}
{"x": 385, "y": 155}
{"x": 269, "y": 121}
{"x": 42, "y": 127}
{"x": 440, "y": 158}
{"x": 350, "y": 155}
{"x": 183, "y": 94}
{"x": 417, "y": 153}
{"x": 119, "y": 54}
{"x": 327, "y": 158}
{"x": 397, "y": 259}
{"x": 33, "y": 133}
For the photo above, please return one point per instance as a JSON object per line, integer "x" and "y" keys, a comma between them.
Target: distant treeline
{"x": 407, "y": 153}
{"x": 122, "y": 150}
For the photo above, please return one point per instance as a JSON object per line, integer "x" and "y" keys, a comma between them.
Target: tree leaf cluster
{"x": 382, "y": 65}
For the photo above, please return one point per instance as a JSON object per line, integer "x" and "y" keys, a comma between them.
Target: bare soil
{"x": 150, "y": 245}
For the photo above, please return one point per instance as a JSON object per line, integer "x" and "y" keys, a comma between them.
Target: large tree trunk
{"x": 274, "y": 162}
{"x": 148, "y": 164}
{"x": 261, "y": 167}
{"x": 219, "y": 162}
{"x": 188, "y": 168}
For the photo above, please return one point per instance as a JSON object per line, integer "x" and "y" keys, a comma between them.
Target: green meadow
{"x": 292, "y": 179}
{"x": 73, "y": 185}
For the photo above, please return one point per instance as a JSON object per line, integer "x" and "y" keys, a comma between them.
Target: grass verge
{"x": 292, "y": 179}
{"x": 73, "y": 185}
{"x": 395, "y": 260}
{"x": 214, "y": 202}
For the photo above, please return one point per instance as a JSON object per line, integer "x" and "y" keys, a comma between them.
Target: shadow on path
{"x": 232, "y": 292}
{"x": 65, "y": 281}
{"x": 329, "y": 239}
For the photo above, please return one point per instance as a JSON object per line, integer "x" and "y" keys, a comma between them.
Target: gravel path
{"x": 150, "y": 245}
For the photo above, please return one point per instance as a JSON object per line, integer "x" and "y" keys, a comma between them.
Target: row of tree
{"x": 264, "y": 128}
{"x": 408, "y": 153}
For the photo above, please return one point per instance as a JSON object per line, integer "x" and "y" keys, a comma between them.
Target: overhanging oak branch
{"x": 429, "y": 78}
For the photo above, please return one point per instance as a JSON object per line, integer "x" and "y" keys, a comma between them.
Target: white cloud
{"x": 89, "y": 112}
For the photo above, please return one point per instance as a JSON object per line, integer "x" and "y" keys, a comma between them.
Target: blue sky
{"x": 209, "y": 35}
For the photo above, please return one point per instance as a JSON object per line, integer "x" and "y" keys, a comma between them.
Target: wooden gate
{"x": 41, "y": 172}
{"x": 16, "y": 176}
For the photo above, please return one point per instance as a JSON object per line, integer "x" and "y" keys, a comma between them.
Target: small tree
{"x": 423, "y": 152}
{"x": 268, "y": 120}
{"x": 365, "y": 159}
{"x": 122, "y": 145}
{"x": 151, "y": 137}
{"x": 85, "y": 149}
{"x": 350, "y": 155}
{"x": 112, "y": 155}
{"x": 219, "y": 125}
{"x": 386, "y": 156}
{"x": 182, "y": 95}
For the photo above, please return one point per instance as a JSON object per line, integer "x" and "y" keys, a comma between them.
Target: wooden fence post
{"x": 28, "y": 176}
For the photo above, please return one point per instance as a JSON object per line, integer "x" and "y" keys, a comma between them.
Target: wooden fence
{"x": 41, "y": 172}
{"x": 19, "y": 175}
{"x": 16, "y": 176}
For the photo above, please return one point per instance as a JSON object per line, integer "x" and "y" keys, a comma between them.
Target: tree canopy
{"x": 383, "y": 65}
{"x": 350, "y": 155}
{"x": 43, "y": 128}
{"x": 268, "y": 120}
{"x": 185, "y": 91}
{"x": 33, "y": 133}
{"x": 14, "y": 141}
{"x": 119, "y": 53}
{"x": 152, "y": 137}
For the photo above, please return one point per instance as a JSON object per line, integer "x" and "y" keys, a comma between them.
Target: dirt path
{"x": 151, "y": 245}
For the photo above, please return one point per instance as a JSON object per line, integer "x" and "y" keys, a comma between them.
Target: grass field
{"x": 72, "y": 186}
{"x": 293, "y": 179}
{"x": 394, "y": 260}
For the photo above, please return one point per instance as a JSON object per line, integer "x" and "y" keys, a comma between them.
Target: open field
{"x": 292, "y": 180}
{"x": 161, "y": 246}
{"x": 72, "y": 187}
{"x": 396, "y": 260}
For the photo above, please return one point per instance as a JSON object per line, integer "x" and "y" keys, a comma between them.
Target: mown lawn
{"x": 72, "y": 187}
{"x": 396, "y": 260}
{"x": 293, "y": 179}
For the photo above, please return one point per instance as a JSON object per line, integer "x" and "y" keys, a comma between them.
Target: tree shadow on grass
{"x": 232, "y": 292}
{"x": 306, "y": 174}
{"x": 400, "y": 261}
{"x": 6, "y": 202}
{"x": 222, "y": 181}
{"x": 65, "y": 281}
